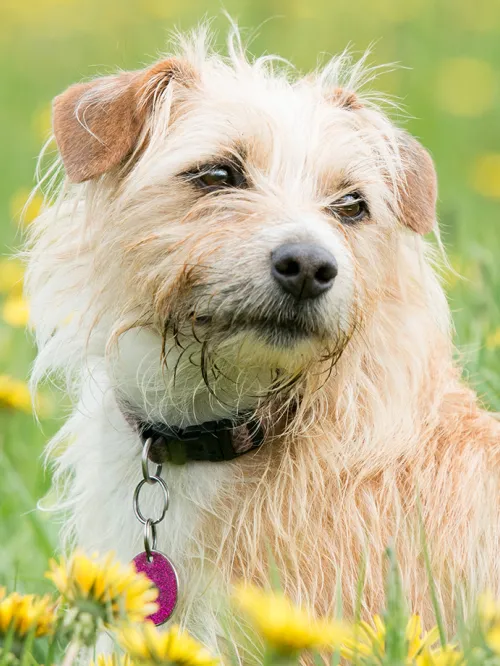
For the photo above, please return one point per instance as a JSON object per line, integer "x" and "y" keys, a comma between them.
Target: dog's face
{"x": 246, "y": 223}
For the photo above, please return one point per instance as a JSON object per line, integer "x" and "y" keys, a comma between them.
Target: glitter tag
{"x": 162, "y": 573}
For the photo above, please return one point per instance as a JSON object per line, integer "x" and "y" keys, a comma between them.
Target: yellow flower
{"x": 461, "y": 270}
{"x": 11, "y": 276}
{"x": 447, "y": 656}
{"x": 14, "y": 394}
{"x": 16, "y": 311}
{"x": 111, "y": 660}
{"x": 369, "y": 641}
{"x": 26, "y": 613}
{"x": 300, "y": 10}
{"x": 485, "y": 175}
{"x": 285, "y": 627}
{"x": 42, "y": 122}
{"x": 481, "y": 15}
{"x": 465, "y": 86}
{"x": 493, "y": 638}
{"x": 24, "y": 207}
{"x": 488, "y": 610}
{"x": 493, "y": 340}
{"x": 158, "y": 9}
{"x": 146, "y": 645}
{"x": 104, "y": 587}
{"x": 400, "y": 12}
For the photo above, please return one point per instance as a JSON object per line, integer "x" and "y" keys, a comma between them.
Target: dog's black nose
{"x": 303, "y": 270}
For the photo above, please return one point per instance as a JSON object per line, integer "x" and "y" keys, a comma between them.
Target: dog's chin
{"x": 286, "y": 346}
{"x": 281, "y": 334}
{"x": 276, "y": 331}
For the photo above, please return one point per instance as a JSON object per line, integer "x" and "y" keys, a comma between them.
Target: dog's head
{"x": 244, "y": 220}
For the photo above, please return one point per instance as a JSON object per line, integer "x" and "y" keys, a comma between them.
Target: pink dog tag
{"x": 161, "y": 572}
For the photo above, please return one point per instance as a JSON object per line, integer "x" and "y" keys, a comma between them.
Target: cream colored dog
{"x": 235, "y": 244}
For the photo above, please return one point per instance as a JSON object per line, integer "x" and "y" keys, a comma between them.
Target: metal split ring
{"x": 148, "y": 477}
{"x": 138, "y": 514}
{"x": 152, "y": 480}
{"x": 149, "y": 538}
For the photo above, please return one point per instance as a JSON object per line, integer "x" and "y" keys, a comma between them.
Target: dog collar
{"x": 212, "y": 441}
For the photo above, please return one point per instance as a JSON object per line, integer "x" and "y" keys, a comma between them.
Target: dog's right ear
{"x": 418, "y": 191}
{"x": 97, "y": 124}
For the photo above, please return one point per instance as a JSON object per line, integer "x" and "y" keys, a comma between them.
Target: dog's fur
{"x": 145, "y": 290}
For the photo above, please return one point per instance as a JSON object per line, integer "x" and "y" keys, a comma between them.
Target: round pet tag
{"x": 160, "y": 571}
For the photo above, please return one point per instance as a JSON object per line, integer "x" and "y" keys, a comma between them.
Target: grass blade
{"x": 432, "y": 584}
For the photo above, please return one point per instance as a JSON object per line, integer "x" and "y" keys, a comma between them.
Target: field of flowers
{"x": 447, "y": 76}
{"x": 92, "y": 595}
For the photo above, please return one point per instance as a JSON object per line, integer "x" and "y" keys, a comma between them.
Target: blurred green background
{"x": 449, "y": 84}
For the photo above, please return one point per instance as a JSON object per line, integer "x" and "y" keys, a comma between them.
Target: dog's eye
{"x": 218, "y": 177}
{"x": 350, "y": 208}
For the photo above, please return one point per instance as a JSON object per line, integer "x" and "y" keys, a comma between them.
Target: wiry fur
{"x": 364, "y": 415}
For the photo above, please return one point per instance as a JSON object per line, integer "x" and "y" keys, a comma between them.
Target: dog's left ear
{"x": 418, "y": 190}
{"x": 97, "y": 124}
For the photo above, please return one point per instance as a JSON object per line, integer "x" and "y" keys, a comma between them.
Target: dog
{"x": 234, "y": 272}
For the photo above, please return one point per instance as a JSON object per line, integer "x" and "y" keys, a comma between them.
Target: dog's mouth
{"x": 280, "y": 332}
{"x": 276, "y": 331}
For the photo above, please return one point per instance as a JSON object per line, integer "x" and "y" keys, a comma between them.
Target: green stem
{"x": 53, "y": 642}
{"x": 432, "y": 584}
{"x": 71, "y": 654}
{"x": 7, "y": 644}
{"x": 272, "y": 657}
{"x": 28, "y": 644}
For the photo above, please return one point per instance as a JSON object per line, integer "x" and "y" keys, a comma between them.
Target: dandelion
{"x": 42, "y": 122}
{"x": 285, "y": 627}
{"x": 101, "y": 590}
{"x": 493, "y": 340}
{"x": 146, "y": 645}
{"x": 27, "y": 613}
{"x": 445, "y": 656}
{"x": 158, "y": 9}
{"x": 417, "y": 639}
{"x": 14, "y": 394}
{"x": 11, "y": 276}
{"x": 111, "y": 660}
{"x": 400, "y": 12}
{"x": 24, "y": 207}
{"x": 488, "y": 610}
{"x": 481, "y": 15}
{"x": 465, "y": 86}
{"x": 485, "y": 175}
{"x": 15, "y": 311}
{"x": 299, "y": 10}
{"x": 461, "y": 269}
{"x": 369, "y": 640}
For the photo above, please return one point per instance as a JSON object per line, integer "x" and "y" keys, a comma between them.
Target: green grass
{"x": 451, "y": 92}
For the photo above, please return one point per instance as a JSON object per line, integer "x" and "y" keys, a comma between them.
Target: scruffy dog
{"x": 234, "y": 271}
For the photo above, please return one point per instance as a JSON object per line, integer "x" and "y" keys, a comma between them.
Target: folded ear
{"x": 418, "y": 191}
{"x": 97, "y": 124}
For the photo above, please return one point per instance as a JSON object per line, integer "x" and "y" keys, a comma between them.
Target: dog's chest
{"x": 105, "y": 459}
